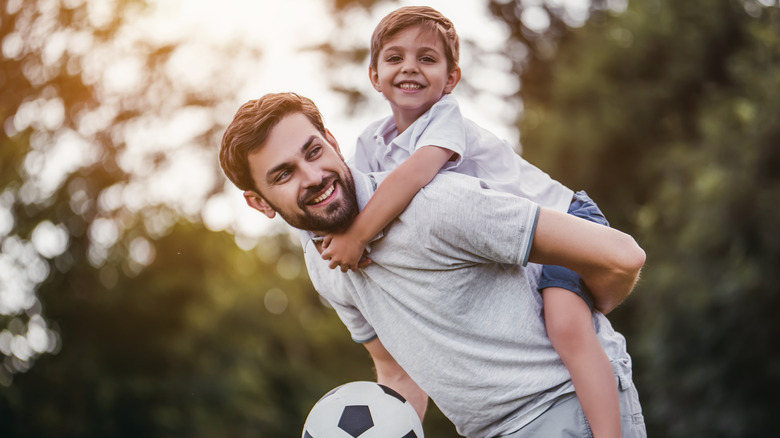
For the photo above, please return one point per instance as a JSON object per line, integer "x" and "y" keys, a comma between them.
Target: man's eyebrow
{"x": 269, "y": 174}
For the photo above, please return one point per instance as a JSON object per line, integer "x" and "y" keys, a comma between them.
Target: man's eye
{"x": 315, "y": 152}
{"x": 281, "y": 176}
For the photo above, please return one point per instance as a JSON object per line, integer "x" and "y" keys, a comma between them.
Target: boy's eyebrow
{"x": 401, "y": 48}
{"x": 285, "y": 164}
{"x": 388, "y": 48}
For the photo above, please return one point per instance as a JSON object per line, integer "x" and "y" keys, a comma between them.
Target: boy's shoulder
{"x": 374, "y": 128}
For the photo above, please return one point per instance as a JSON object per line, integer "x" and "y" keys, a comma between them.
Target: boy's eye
{"x": 428, "y": 59}
{"x": 393, "y": 58}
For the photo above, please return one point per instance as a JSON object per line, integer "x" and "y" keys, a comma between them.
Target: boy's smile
{"x": 412, "y": 73}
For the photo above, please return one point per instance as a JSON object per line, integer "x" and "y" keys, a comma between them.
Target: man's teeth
{"x": 325, "y": 195}
{"x": 410, "y": 86}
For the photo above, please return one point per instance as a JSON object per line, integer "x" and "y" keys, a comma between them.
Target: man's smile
{"x": 325, "y": 195}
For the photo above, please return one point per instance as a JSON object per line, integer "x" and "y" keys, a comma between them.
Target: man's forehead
{"x": 292, "y": 131}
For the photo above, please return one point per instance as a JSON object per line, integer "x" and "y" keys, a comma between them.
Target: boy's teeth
{"x": 408, "y": 86}
{"x": 325, "y": 195}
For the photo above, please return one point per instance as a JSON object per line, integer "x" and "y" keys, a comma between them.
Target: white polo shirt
{"x": 450, "y": 298}
{"x": 480, "y": 153}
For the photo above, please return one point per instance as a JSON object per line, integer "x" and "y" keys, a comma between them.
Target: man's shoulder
{"x": 449, "y": 191}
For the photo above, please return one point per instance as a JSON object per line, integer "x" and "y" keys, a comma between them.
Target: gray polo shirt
{"x": 450, "y": 297}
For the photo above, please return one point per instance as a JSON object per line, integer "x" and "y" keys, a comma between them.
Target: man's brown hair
{"x": 406, "y": 17}
{"x": 251, "y": 127}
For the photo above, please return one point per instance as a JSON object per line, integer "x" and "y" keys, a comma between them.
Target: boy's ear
{"x": 373, "y": 74}
{"x": 254, "y": 200}
{"x": 452, "y": 80}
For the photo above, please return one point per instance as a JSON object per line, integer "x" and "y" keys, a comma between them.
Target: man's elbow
{"x": 634, "y": 258}
{"x": 629, "y": 263}
{"x": 626, "y": 266}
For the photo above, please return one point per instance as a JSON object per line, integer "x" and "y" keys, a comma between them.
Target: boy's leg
{"x": 567, "y": 308}
{"x": 570, "y": 327}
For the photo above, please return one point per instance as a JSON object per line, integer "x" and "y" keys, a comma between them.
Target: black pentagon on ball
{"x": 355, "y": 420}
{"x": 389, "y": 391}
{"x": 411, "y": 434}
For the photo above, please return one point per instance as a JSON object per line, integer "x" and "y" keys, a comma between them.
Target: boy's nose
{"x": 409, "y": 67}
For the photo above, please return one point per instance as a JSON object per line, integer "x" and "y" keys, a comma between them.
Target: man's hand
{"x": 343, "y": 251}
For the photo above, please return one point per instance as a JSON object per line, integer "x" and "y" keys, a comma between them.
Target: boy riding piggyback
{"x": 414, "y": 64}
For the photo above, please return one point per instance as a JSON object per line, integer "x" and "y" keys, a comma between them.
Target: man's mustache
{"x": 314, "y": 191}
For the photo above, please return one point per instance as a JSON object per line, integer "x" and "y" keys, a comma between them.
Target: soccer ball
{"x": 362, "y": 410}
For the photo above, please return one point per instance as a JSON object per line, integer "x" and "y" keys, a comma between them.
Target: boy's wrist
{"x": 359, "y": 234}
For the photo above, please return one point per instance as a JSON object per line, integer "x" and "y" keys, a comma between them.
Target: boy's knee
{"x": 564, "y": 331}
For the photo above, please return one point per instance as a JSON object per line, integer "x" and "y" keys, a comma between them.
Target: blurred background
{"x": 140, "y": 297}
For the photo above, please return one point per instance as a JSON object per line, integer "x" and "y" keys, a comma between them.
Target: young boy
{"x": 414, "y": 64}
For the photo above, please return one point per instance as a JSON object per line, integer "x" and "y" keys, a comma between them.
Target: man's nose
{"x": 311, "y": 174}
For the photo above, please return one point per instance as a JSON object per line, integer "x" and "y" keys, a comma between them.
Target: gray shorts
{"x": 566, "y": 419}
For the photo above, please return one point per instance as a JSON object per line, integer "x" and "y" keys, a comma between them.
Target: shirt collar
{"x": 385, "y": 130}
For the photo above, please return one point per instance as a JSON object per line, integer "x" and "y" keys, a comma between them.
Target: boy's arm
{"x": 389, "y": 373}
{"x": 609, "y": 261}
{"x": 390, "y": 199}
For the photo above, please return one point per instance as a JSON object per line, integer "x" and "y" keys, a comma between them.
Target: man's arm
{"x": 609, "y": 261}
{"x": 389, "y": 373}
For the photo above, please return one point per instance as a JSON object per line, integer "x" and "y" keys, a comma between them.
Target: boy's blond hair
{"x": 406, "y": 17}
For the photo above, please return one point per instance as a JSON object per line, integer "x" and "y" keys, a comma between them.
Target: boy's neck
{"x": 404, "y": 121}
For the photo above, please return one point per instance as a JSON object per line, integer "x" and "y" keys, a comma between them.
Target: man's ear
{"x": 373, "y": 74}
{"x": 332, "y": 140}
{"x": 452, "y": 80}
{"x": 254, "y": 200}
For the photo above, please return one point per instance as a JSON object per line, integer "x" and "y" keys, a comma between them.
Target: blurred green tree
{"x": 120, "y": 315}
{"x": 666, "y": 113}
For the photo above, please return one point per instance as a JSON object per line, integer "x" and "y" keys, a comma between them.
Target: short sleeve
{"x": 350, "y": 315}
{"x": 441, "y": 126}
{"x": 360, "y": 330}
{"x": 462, "y": 217}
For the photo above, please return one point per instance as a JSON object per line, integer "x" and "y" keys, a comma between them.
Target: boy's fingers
{"x": 364, "y": 261}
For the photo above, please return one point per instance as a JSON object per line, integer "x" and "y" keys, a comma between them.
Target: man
{"x": 448, "y": 306}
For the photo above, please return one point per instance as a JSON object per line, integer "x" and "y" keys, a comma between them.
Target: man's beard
{"x": 335, "y": 217}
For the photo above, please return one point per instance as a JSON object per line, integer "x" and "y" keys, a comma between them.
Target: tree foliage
{"x": 122, "y": 315}
{"x": 666, "y": 113}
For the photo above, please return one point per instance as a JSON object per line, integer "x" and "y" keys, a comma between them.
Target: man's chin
{"x": 332, "y": 219}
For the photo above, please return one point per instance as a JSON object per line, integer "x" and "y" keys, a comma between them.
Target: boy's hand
{"x": 345, "y": 252}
